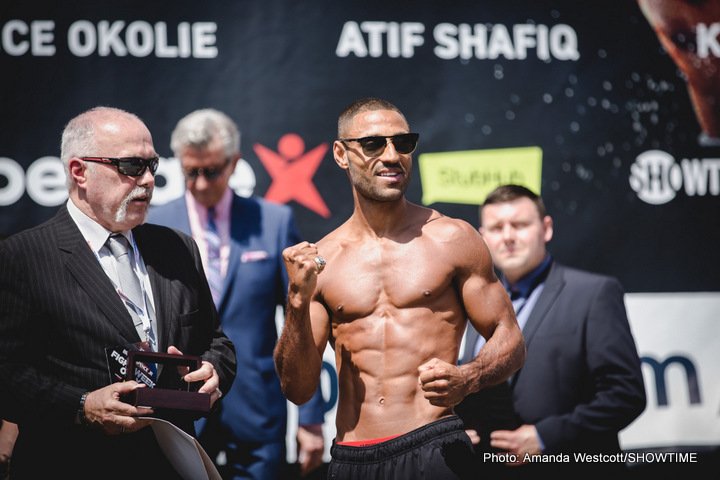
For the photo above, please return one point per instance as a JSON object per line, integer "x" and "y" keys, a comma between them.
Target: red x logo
{"x": 292, "y": 169}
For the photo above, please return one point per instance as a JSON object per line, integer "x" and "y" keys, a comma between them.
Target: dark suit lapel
{"x": 162, "y": 295}
{"x": 164, "y": 312}
{"x": 85, "y": 268}
{"x": 553, "y": 286}
{"x": 236, "y": 233}
{"x": 233, "y": 265}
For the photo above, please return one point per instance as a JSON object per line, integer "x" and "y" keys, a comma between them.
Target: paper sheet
{"x": 183, "y": 451}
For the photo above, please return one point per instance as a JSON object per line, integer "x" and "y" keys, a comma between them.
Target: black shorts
{"x": 439, "y": 450}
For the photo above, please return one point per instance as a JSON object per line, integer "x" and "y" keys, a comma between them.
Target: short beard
{"x": 364, "y": 186}
{"x": 138, "y": 191}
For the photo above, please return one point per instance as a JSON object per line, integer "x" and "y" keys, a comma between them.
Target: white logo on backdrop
{"x": 656, "y": 177}
{"x": 680, "y": 369}
{"x": 44, "y": 181}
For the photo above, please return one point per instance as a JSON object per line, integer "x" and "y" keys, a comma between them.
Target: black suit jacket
{"x": 581, "y": 382}
{"x": 58, "y": 313}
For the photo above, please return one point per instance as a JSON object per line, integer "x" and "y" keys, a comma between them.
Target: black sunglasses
{"x": 208, "y": 173}
{"x": 375, "y": 146}
{"x": 130, "y": 166}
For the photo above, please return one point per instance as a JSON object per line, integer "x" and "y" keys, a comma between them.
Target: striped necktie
{"x": 129, "y": 284}
{"x": 214, "y": 265}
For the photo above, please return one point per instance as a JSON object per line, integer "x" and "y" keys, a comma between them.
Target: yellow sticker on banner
{"x": 468, "y": 176}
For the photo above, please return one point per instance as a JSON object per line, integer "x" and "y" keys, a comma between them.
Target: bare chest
{"x": 380, "y": 280}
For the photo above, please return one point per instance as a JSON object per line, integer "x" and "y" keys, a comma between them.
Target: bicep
{"x": 486, "y": 302}
{"x": 320, "y": 325}
{"x": 487, "y": 305}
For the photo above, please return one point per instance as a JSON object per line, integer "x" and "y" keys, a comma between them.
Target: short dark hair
{"x": 510, "y": 192}
{"x": 361, "y": 105}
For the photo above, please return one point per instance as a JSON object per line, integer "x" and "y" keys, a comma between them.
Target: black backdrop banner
{"x": 590, "y": 85}
{"x": 586, "y": 91}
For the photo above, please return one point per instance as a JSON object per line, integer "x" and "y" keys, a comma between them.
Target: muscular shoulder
{"x": 450, "y": 229}
{"x": 456, "y": 236}
{"x": 464, "y": 248}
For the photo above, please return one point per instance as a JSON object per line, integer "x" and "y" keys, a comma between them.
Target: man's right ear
{"x": 339, "y": 153}
{"x": 77, "y": 170}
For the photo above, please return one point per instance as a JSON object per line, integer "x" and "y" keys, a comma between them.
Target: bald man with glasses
{"x": 92, "y": 280}
{"x": 392, "y": 289}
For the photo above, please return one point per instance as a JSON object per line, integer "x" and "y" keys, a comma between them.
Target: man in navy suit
{"x": 241, "y": 241}
{"x": 581, "y": 382}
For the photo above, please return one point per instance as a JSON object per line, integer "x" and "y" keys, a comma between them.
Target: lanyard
{"x": 142, "y": 311}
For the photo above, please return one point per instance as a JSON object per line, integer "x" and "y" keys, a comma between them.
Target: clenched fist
{"x": 303, "y": 264}
{"x": 444, "y": 384}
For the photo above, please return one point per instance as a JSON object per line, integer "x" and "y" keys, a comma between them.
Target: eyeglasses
{"x": 208, "y": 173}
{"x": 375, "y": 146}
{"x": 130, "y": 166}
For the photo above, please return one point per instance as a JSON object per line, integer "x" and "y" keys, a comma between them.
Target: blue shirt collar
{"x": 524, "y": 287}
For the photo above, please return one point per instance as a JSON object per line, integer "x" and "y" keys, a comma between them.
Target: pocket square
{"x": 253, "y": 256}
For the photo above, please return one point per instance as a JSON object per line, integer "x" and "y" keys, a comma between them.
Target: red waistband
{"x": 369, "y": 442}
